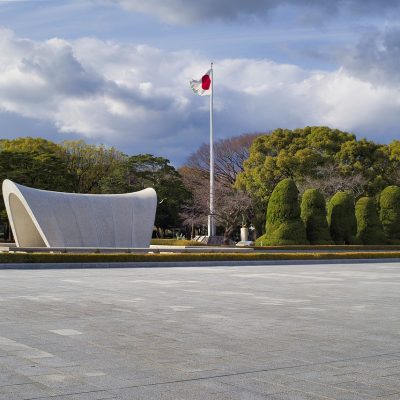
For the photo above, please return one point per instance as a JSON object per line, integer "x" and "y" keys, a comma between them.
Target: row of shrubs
{"x": 340, "y": 221}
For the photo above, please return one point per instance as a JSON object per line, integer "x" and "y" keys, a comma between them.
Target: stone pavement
{"x": 248, "y": 332}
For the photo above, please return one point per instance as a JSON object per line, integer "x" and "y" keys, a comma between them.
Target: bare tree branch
{"x": 231, "y": 204}
{"x": 330, "y": 180}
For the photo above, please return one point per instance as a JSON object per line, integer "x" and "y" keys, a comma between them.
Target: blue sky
{"x": 117, "y": 71}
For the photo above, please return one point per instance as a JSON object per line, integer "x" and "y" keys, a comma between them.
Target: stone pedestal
{"x": 244, "y": 234}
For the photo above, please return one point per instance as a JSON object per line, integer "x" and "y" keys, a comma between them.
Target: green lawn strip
{"x": 106, "y": 258}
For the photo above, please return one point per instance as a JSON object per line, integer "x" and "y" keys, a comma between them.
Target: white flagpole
{"x": 211, "y": 220}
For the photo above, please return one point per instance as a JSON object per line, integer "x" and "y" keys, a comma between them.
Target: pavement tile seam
{"x": 253, "y": 390}
{"x": 244, "y": 373}
{"x": 386, "y": 396}
{"x": 337, "y": 386}
{"x": 70, "y": 394}
{"x": 349, "y": 378}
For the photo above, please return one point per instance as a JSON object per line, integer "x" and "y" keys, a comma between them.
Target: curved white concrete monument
{"x": 40, "y": 218}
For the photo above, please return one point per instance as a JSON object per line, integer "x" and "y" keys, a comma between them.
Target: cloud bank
{"x": 186, "y": 12}
{"x": 376, "y": 57}
{"x": 138, "y": 98}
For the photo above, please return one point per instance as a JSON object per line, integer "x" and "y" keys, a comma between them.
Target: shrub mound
{"x": 369, "y": 227}
{"x": 341, "y": 218}
{"x": 284, "y": 225}
{"x": 313, "y": 214}
{"x": 389, "y": 203}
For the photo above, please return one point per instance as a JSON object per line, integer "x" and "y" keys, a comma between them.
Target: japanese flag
{"x": 203, "y": 86}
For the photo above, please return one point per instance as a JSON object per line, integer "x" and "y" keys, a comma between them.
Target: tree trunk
{"x": 227, "y": 235}
{"x": 9, "y": 236}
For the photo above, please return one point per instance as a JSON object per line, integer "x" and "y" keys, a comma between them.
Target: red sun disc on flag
{"x": 205, "y": 82}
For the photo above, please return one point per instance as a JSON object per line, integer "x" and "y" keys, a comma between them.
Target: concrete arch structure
{"x": 41, "y": 218}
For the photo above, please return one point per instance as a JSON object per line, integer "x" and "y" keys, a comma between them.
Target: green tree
{"x": 368, "y": 159}
{"x": 389, "y": 204}
{"x": 29, "y": 144}
{"x": 146, "y": 170}
{"x": 369, "y": 227}
{"x": 95, "y": 168}
{"x": 33, "y": 162}
{"x": 341, "y": 218}
{"x": 286, "y": 153}
{"x": 284, "y": 225}
{"x": 313, "y": 214}
{"x": 393, "y": 153}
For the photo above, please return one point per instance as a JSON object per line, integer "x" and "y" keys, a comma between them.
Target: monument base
{"x": 212, "y": 240}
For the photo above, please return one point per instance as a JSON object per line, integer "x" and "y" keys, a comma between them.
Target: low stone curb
{"x": 190, "y": 264}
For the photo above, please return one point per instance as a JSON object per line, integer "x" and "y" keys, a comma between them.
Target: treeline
{"x": 322, "y": 158}
{"x": 369, "y": 221}
{"x": 248, "y": 168}
{"x": 75, "y": 166}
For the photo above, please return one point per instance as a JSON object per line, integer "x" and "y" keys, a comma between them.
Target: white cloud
{"x": 287, "y": 96}
{"x": 138, "y": 98}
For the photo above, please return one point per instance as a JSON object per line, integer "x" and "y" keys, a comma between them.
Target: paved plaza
{"x": 327, "y": 331}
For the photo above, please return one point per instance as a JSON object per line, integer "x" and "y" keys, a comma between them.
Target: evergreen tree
{"x": 369, "y": 227}
{"x": 313, "y": 214}
{"x": 389, "y": 204}
{"x": 284, "y": 225}
{"x": 341, "y": 218}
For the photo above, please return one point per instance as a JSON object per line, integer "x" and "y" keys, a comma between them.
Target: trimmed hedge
{"x": 284, "y": 225}
{"x": 341, "y": 218}
{"x": 337, "y": 247}
{"x": 369, "y": 227}
{"x": 313, "y": 214}
{"x": 11, "y": 258}
{"x": 389, "y": 204}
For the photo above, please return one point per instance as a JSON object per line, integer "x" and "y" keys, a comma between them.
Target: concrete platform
{"x": 247, "y": 332}
{"x": 130, "y": 250}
